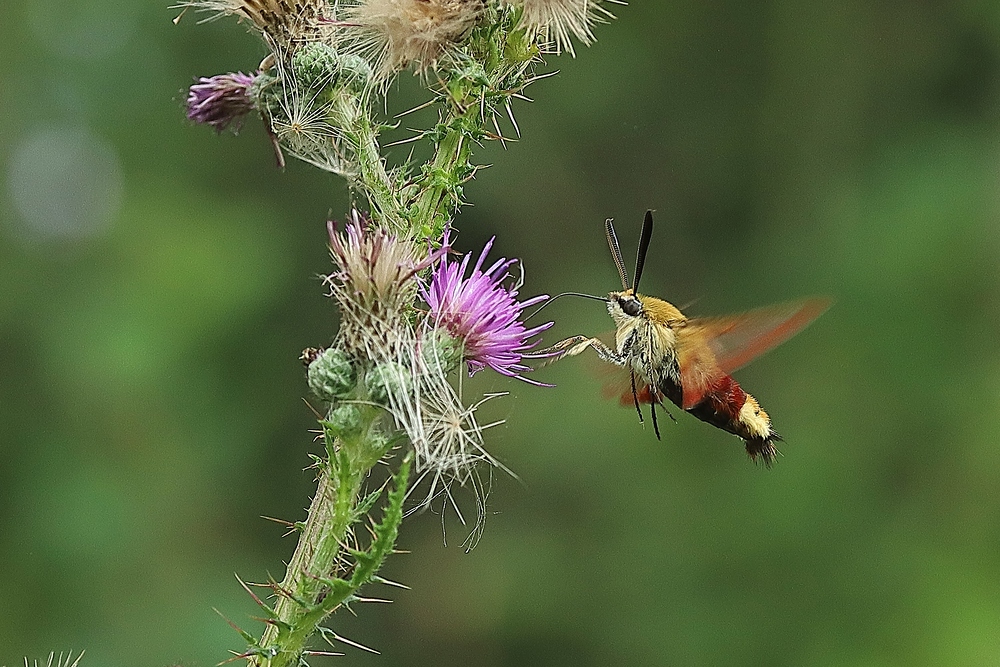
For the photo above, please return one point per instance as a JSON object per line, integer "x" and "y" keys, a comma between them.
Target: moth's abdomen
{"x": 725, "y": 405}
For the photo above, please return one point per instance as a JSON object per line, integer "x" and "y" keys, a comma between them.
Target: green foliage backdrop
{"x": 158, "y": 282}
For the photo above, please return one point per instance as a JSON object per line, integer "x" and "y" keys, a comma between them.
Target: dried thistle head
{"x": 453, "y": 451}
{"x": 281, "y": 22}
{"x": 395, "y": 33}
{"x": 558, "y": 21}
{"x": 453, "y": 438}
{"x": 446, "y": 436}
{"x": 374, "y": 283}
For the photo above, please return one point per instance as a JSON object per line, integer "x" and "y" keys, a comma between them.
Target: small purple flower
{"x": 483, "y": 313}
{"x": 220, "y": 100}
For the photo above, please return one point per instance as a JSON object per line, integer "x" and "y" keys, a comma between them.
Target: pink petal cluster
{"x": 483, "y": 313}
{"x": 221, "y": 100}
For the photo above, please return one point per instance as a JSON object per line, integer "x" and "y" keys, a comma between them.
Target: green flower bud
{"x": 331, "y": 374}
{"x": 387, "y": 378}
{"x": 441, "y": 352}
{"x": 344, "y": 421}
{"x": 355, "y": 73}
{"x": 379, "y": 442}
{"x": 264, "y": 92}
{"x": 318, "y": 66}
{"x": 315, "y": 65}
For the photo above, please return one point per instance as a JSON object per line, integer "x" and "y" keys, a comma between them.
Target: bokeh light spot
{"x": 64, "y": 182}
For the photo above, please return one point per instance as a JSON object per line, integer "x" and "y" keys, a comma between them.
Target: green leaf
{"x": 366, "y": 503}
{"x": 385, "y": 530}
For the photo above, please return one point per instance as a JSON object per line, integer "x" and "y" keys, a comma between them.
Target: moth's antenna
{"x": 616, "y": 253}
{"x": 640, "y": 258}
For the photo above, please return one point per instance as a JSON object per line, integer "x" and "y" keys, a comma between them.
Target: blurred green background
{"x": 158, "y": 282}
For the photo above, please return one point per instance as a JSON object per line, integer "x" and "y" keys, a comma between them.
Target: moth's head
{"x": 627, "y": 306}
{"x": 624, "y": 305}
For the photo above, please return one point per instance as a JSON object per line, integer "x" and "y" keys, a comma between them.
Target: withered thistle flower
{"x": 395, "y": 33}
{"x": 282, "y": 22}
{"x": 374, "y": 283}
{"x": 221, "y": 100}
{"x": 560, "y": 20}
{"x": 450, "y": 449}
{"x": 483, "y": 313}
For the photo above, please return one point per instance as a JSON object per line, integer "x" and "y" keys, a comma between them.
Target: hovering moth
{"x": 688, "y": 361}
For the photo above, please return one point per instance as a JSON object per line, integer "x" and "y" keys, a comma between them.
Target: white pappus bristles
{"x": 558, "y": 21}
{"x": 282, "y": 22}
{"x": 305, "y": 122}
{"x": 64, "y": 660}
{"x": 395, "y": 33}
{"x": 446, "y": 436}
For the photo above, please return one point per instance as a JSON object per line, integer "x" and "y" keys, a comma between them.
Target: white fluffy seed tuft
{"x": 559, "y": 21}
{"x": 393, "y": 34}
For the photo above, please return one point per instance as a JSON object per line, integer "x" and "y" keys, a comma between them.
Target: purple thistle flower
{"x": 220, "y": 100}
{"x": 483, "y": 313}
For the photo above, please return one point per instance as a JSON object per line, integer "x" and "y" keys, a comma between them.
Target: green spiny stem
{"x": 375, "y": 182}
{"x": 310, "y": 590}
{"x": 372, "y": 179}
{"x": 441, "y": 181}
{"x": 315, "y": 556}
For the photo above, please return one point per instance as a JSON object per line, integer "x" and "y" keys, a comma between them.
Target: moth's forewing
{"x": 710, "y": 348}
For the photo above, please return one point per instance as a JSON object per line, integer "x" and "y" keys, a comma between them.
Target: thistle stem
{"x": 330, "y": 516}
{"x": 442, "y": 179}
{"x": 375, "y": 182}
{"x": 313, "y": 588}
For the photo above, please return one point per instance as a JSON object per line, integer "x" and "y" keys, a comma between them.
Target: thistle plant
{"x": 63, "y": 660}
{"x": 413, "y": 319}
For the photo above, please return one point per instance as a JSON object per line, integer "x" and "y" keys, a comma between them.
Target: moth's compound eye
{"x": 631, "y": 306}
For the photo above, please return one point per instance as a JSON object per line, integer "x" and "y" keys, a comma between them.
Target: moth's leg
{"x": 658, "y": 399}
{"x": 577, "y": 344}
{"x": 606, "y": 353}
{"x": 635, "y": 396}
{"x": 652, "y": 413}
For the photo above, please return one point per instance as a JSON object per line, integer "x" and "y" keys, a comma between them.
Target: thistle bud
{"x": 344, "y": 421}
{"x": 317, "y": 66}
{"x": 331, "y": 375}
{"x": 355, "y": 73}
{"x": 386, "y": 379}
{"x": 441, "y": 352}
{"x": 220, "y": 101}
